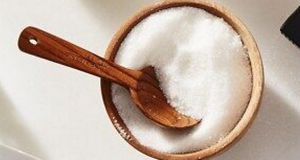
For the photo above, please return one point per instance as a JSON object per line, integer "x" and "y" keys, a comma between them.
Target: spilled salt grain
{"x": 203, "y": 70}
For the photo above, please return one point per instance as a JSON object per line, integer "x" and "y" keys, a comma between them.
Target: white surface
{"x": 56, "y": 113}
{"x": 9, "y": 153}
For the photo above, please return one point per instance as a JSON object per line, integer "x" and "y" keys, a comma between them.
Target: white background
{"x": 56, "y": 113}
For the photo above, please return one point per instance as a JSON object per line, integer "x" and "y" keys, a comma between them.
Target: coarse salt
{"x": 203, "y": 69}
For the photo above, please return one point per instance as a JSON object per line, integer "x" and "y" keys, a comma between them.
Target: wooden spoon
{"x": 143, "y": 85}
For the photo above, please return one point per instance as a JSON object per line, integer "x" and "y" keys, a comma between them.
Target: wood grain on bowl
{"x": 256, "y": 68}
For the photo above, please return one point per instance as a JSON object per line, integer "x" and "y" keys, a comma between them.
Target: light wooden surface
{"x": 257, "y": 79}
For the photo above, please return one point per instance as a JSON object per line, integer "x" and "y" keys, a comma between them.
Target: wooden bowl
{"x": 257, "y": 79}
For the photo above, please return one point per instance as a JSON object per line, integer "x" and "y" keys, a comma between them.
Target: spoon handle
{"x": 42, "y": 44}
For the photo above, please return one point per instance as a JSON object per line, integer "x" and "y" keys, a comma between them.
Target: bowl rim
{"x": 257, "y": 79}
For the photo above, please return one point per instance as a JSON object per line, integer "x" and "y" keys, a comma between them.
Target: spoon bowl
{"x": 152, "y": 102}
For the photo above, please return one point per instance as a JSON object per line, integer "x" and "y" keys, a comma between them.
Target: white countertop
{"x": 56, "y": 113}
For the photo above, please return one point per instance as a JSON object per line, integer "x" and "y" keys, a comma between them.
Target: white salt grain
{"x": 203, "y": 70}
